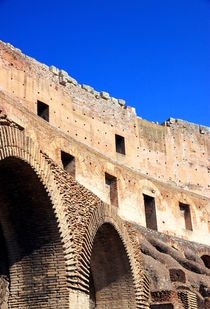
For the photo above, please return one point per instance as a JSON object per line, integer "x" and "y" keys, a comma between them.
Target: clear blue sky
{"x": 155, "y": 54}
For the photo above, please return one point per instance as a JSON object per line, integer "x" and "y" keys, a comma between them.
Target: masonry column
{"x": 78, "y": 300}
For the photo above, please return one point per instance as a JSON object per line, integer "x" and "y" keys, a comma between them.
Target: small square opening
{"x": 68, "y": 163}
{"x": 185, "y": 213}
{"x": 120, "y": 144}
{"x": 43, "y": 110}
{"x": 177, "y": 275}
{"x": 150, "y": 212}
{"x": 111, "y": 181}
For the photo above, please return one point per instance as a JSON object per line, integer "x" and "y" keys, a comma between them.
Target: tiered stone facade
{"x": 66, "y": 242}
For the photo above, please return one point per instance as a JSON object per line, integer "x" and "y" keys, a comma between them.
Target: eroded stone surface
{"x": 164, "y": 169}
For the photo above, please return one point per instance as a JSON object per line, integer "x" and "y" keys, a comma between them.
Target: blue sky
{"x": 155, "y": 54}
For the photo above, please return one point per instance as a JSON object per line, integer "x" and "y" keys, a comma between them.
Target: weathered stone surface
{"x": 71, "y": 246}
{"x": 114, "y": 100}
{"x": 88, "y": 88}
{"x": 105, "y": 95}
{"x": 72, "y": 80}
{"x": 4, "y": 292}
{"x": 121, "y": 102}
{"x": 63, "y": 73}
{"x": 54, "y": 70}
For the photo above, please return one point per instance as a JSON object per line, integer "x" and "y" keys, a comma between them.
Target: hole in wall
{"x": 43, "y": 110}
{"x": 68, "y": 162}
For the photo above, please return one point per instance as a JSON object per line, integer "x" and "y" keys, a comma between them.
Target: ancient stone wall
{"x": 105, "y": 232}
{"x": 46, "y": 269}
{"x": 158, "y": 150}
{"x": 93, "y": 119}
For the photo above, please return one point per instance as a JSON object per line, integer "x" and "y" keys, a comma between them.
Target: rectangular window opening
{"x": 120, "y": 144}
{"x": 111, "y": 181}
{"x": 43, "y": 110}
{"x": 185, "y": 212}
{"x": 150, "y": 212}
{"x": 68, "y": 163}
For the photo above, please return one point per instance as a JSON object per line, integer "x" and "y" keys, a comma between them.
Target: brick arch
{"x": 14, "y": 143}
{"x": 204, "y": 255}
{"x": 105, "y": 214}
{"x": 77, "y": 224}
{"x": 204, "y": 251}
{"x": 36, "y": 264}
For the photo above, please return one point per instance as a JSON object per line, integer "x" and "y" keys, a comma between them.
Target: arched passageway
{"x": 206, "y": 260}
{"x": 111, "y": 282}
{"x": 31, "y": 254}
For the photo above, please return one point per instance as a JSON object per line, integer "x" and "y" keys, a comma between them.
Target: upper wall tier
{"x": 157, "y": 175}
{"x": 175, "y": 152}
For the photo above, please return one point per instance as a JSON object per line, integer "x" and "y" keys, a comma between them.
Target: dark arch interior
{"x": 162, "y": 306}
{"x": 111, "y": 282}
{"x": 4, "y": 272}
{"x": 4, "y": 266}
{"x": 31, "y": 253}
{"x": 206, "y": 260}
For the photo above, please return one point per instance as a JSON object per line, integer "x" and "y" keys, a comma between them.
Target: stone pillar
{"x": 78, "y": 300}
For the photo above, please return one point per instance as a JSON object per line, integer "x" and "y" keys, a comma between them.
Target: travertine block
{"x": 54, "y": 70}
{"x": 105, "y": 95}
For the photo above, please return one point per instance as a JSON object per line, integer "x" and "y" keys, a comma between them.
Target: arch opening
{"x": 206, "y": 260}
{"x": 34, "y": 258}
{"x": 111, "y": 281}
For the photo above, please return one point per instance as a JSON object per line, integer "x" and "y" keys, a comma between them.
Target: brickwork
{"x": 30, "y": 227}
{"x": 166, "y": 298}
{"x": 188, "y": 299}
{"x": 82, "y": 223}
{"x": 169, "y": 159}
{"x": 90, "y": 168}
{"x": 80, "y": 177}
{"x": 112, "y": 276}
{"x": 4, "y": 292}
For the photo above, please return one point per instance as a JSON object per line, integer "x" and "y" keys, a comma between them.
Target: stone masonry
{"x": 98, "y": 207}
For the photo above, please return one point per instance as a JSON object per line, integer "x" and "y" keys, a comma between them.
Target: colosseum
{"x": 98, "y": 207}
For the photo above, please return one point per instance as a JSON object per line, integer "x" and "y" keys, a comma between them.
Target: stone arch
{"x": 206, "y": 260}
{"x": 204, "y": 255}
{"x": 104, "y": 214}
{"x": 14, "y": 144}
